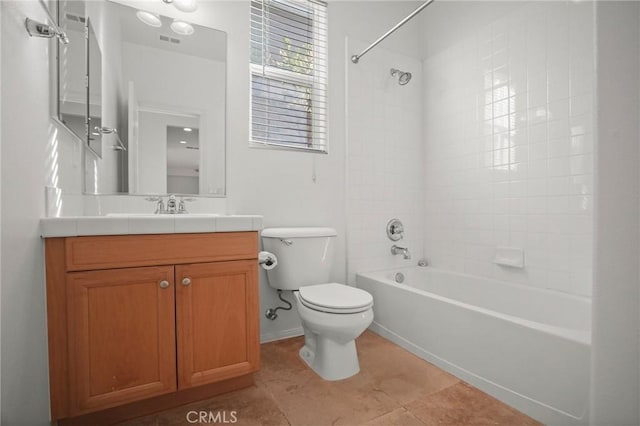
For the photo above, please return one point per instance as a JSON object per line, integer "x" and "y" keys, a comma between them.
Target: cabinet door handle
{"x": 186, "y": 281}
{"x": 164, "y": 284}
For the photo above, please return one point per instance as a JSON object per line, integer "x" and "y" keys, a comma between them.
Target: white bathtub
{"x": 526, "y": 346}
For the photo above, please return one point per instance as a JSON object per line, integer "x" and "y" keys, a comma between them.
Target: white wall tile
{"x": 532, "y": 121}
{"x": 385, "y": 170}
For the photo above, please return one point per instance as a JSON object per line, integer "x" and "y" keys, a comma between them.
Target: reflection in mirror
{"x": 168, "y": 155}
{"x": 183, "y": 160}
{"x": 72, "y": 68}
{"x": 157, "y": 82}
{"x": 94, "y": 92}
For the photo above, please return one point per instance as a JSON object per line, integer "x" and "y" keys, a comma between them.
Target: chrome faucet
{"x": 400, "y": 250}
{"x": 172, "y": 206}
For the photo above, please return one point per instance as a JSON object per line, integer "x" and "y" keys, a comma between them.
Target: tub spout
{"x": 400, "y": 250}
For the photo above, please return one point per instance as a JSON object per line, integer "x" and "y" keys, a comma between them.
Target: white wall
{"x": 615, "y": 390}
{"x": 509, "y": 140}
{"x": 25, "y": 152}
{"x": 0, "y": 212}
{"x": 384, "y": 160}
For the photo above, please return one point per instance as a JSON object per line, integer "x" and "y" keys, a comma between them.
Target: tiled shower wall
{"x": 508, "y": 155}
{"x": 384, "y": 159}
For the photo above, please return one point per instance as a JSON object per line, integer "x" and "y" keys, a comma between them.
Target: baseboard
{"x": 280, "y": 335}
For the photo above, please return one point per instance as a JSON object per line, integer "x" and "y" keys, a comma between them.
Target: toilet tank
{"x": 305, "y": 256}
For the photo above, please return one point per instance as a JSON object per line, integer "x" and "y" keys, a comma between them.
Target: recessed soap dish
{"x": 509, "y": 256}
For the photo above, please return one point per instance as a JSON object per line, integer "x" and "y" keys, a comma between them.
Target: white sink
{"x": 162, "y": 215}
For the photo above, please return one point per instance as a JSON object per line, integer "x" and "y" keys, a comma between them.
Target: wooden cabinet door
{"x": 121, "y": 326}
{"x": 216, "y": 321}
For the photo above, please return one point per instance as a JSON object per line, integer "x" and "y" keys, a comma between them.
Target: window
{"x": 289, "y": 74}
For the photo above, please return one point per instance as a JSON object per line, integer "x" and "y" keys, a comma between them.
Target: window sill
{"x": 278, "y": 147}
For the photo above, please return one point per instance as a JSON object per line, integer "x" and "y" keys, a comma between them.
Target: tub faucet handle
{"x": 395, "y": 230}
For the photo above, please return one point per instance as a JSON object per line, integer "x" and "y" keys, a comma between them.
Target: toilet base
{"x": 330, "y": 360}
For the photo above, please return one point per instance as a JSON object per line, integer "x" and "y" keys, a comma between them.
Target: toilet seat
{"x": 335, "y": 298}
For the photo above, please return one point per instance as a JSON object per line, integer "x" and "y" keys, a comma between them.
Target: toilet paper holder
{"x": 266, "y": 259}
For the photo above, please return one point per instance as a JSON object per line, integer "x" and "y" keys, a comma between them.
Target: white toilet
{"x": 332, "y": 314}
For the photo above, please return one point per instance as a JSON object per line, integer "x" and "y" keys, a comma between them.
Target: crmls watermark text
{"x": 212, "y": 417}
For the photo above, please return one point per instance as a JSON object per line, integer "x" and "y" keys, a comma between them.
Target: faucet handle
{"x": 182, "y": 208}
{"x": 395, "y": 230}
{"x": 160, "y": 204}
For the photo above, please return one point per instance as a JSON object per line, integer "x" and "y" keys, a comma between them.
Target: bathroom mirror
{"x": 164, "y": 97}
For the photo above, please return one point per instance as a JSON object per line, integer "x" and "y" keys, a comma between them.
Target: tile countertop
{"x": 75, "y": 226}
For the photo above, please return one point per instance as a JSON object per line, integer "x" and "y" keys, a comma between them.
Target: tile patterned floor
{"x": 394, "y": 387}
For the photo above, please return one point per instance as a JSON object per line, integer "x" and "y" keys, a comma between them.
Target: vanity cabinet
{"x": 216, "y": 307}
{"x": 121, "y": 332}
{"x": 146, "y": 319}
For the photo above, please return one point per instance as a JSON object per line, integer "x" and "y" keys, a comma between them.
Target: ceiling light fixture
{"x": 187, "y": 129}
{"x": 151, "y": 19}
{"x": 183, "y": 142}
{"x": 182, "y": 28}
{"x": 184, "y": 5}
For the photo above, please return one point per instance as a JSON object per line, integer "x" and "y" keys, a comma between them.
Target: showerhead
{"x": 403, "y": 77}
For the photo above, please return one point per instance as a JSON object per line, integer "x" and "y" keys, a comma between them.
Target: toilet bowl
{"x": 333, "y": 315}
{"x": 330, "y": 329}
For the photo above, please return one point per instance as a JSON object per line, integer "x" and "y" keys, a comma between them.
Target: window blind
{"x": 289, "y": 74}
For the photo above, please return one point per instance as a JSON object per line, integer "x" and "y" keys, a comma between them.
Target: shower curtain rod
{"x": 356, "y": 58}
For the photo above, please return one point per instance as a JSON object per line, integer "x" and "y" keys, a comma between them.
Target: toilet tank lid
{"x": 298, "y": 232}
